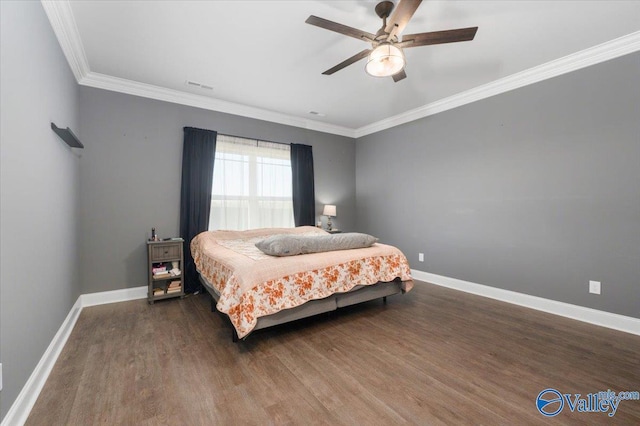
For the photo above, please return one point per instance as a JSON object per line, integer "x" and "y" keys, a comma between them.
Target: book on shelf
{"x": 158, "y": 291}
{"x": 162, "y": 275}
{"x": 175, "y": 272}
{"x": 174, "y": 286}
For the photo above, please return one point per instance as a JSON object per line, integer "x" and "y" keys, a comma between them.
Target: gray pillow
{"x": 292, "y": 245}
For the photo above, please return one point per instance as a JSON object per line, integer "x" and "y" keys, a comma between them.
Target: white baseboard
{"x": 580, "y": 313}
{"x": 21, "y": 407}
{"x": 122, "y": 295}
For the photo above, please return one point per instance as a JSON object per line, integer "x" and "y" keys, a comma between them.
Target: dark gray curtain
{"x": 304, "y": 199}
{"x": 198, "y": 155}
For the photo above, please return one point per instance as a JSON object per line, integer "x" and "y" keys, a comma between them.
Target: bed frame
{"x": 356, "y": 295}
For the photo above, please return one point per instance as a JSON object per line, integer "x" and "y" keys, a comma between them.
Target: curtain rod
{"x": 255, "y": 139}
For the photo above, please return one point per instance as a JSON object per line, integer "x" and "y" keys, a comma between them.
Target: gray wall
{"x": 39, "y": 185}
{"x": 536, "y": 190}
{"x": 130, "y": 177}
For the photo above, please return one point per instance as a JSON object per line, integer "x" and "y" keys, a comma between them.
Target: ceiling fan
{"x": 386, "y": 58}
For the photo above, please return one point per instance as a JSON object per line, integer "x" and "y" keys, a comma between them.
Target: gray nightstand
{"x": 163, "y": 255}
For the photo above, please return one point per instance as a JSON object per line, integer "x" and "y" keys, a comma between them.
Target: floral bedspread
{"x": 252, "y": 284}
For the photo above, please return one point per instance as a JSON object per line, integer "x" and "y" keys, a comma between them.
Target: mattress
{"x": 252, "y": 285}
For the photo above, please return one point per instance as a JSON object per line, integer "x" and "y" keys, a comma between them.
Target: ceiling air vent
{"x": 199, "y": 85}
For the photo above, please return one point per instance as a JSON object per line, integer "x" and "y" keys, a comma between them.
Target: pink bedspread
{"x": 252, "y": 284}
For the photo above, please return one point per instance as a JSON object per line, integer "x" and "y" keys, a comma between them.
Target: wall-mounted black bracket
{"x": 67, "y": 136}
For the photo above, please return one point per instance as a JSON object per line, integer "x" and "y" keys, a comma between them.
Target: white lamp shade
{"x": 385, "y": 60}
{"x": 329, "y": 210}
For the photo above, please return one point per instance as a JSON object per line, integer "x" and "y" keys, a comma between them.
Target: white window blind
{"x": 251, "y": 185}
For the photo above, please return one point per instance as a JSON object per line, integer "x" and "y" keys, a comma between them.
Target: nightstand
{"x": 165, "y": 263}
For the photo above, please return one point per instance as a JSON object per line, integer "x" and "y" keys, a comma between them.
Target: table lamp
{"x": 329, "y": 211}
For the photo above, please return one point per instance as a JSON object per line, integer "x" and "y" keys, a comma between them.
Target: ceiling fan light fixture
{"x": 385, "y": 60}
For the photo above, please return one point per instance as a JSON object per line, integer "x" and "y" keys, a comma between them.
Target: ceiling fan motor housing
{"x": 384, "y": 8}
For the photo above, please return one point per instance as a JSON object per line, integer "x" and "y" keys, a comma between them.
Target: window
{"x": 251, "y": 185}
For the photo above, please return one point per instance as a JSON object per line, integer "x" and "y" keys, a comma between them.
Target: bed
{"x": 256, "y": 290}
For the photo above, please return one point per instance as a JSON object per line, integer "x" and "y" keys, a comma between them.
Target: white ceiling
{"x": 264, "y": 61}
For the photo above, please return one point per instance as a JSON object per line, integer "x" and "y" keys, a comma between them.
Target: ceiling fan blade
{"x": 438, "y": 37}
{"x": 347, "y": 62}
{"x": 401, "y": 15}
{"x": 399, "y": 76}
{"x": 339, "y": 28}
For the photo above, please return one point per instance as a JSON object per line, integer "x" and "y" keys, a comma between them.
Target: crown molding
{"x": 64, "y": 26}
{"x": 61, "y": 17}
{"x": 116, "y": 84}
{"x": 594, "y": 55}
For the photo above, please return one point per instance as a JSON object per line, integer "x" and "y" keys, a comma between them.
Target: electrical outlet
{"x": 594, "y": 287}
{"x": 421, "y": 257}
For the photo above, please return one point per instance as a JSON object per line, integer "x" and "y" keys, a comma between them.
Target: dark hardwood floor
{"x": 432, "y": 356}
